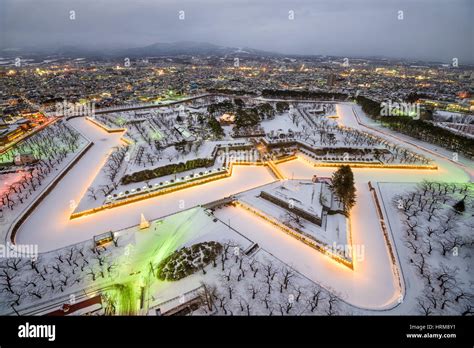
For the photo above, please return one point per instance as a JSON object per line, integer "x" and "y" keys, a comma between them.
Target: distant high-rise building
{"x": 331, "y": 80}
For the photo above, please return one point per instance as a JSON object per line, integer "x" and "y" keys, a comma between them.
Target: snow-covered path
{"x": 370, "y": 285}
{"x": 49, "y": 225}
{"x": 460, "y": 171}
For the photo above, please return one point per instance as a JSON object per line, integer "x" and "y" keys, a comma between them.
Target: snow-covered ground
{"x": 116, "y": 190}
{"x": 371, "y": 285}
{"x": 281, "y": 123}
{"x": 305, "y": 127}
{"x": 304, "y": 195}
{"x": 10, "y": 215}
{"x": 432, "y": 278}
{"x": 460, "y": 170}
{"x": 65, "y": 271}
{"x": 264, "y": 285}
{"x": 49, "y": 225}
{"x": 321, "y": 137}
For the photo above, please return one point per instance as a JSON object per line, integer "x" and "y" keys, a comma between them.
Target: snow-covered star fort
{"x": 163, "y": 209}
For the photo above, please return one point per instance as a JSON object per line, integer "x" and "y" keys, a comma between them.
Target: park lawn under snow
{"x": 70, "y": 269}
{"x": 431, "y": 278}
{"x": 370, "y": 285}
{"x": 10, "y": 215}
{"x": 304, "y": 195}
{"x": 98, "y": 198}
{"x": 258, "y": 284}
{"x": 282, "y": 123}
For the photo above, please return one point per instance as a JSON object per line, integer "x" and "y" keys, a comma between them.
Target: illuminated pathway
{"x": 49, "y": 225}
{"x": 457, "y": 171}
{"x": 370, "y": 285}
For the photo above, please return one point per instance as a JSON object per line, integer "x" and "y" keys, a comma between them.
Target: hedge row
{"x": 188, "y": 260}
{"x": 168, "y": 169}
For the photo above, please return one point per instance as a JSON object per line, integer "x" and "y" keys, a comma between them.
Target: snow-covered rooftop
{"x": 300, "y": 194}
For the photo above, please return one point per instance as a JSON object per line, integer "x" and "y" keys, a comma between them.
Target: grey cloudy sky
{"x": 431, "y": 29}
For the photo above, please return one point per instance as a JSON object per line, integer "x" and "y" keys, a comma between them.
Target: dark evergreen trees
{"x": 246, "y": 118}
{"x": 344, "y": 188}
{"x": 282, "y": 107}
{"x": 419, "y": 129}
{"x": 460, "y": 207}
{"x": 215, "y": 127}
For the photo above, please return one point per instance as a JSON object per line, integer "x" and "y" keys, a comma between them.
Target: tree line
{"x": 419, "y": 129}
{"x": 276, "y": 93}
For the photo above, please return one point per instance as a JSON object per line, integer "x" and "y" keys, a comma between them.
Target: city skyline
{"x": 212, "y": 158}
{"x": 365, "y": 28}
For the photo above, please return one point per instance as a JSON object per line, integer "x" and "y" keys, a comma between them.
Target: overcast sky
{"x": 431, "y": 29}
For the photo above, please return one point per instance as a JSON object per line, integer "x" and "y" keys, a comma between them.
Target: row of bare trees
{"x": 24, "y": 281}
{"x": 49, "y": 147}
{"x": 440, "y": 245}
{"x": 248, "y": 286}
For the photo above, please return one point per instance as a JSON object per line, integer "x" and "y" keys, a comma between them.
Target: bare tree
{"x": 92, "y": 193}
{"x": 425, "y": 307}
{"x": 254, "y": 290}
{"x": 332, "y": 304}
{"x": 315, "y": 297}
{"x": 412, "y": 245}
{"x": 420, "y": 263}
{"x": 468, "y": 309}
{"x": 287, "y": 275}
{"x": 207, "y": 295}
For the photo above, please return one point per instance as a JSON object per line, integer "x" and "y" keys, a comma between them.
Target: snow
{"x": 299, "y": 193}
{"x": 134, "y": 248}
{"x": 459, "y": 259}
{"x": 460, "y": 170}
{"x": 88, "y": 202}
{"x": 49, "y": 225}
{"x": 372, "y": 284}
{"x": 281, "y": 122}
{"x": 11, "y": 215}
